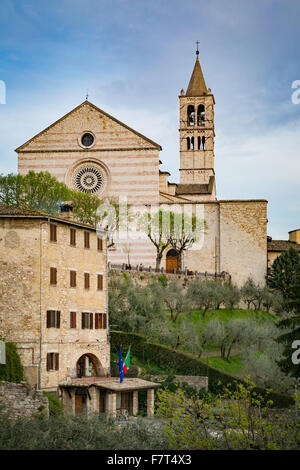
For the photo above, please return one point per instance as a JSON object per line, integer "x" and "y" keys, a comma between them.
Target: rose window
{"x": 89, "y": 178}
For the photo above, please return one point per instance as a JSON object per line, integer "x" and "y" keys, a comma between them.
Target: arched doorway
{"x": 88, "y": 365}
{"x": 172, "y": 261}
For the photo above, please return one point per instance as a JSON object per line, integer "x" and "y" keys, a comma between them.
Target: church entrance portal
{"x": 172, "y": 261}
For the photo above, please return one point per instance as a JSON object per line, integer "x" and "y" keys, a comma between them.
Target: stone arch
{"x": 89, "y": 365}
{"x": 201, "y": 115}
{"x": 191, "y": 115}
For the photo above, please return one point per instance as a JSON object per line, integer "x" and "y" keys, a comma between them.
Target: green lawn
{"x": 234, "y": 366}
{"x": 224, "y": 314}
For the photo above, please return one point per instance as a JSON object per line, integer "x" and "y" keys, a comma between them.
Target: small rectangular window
{"x": 53, "y": 319}
{"x": 98, "y": 321}
{"x": 86, "y": 239}
{"x": 53, "y": 276}
{"x": 86, "y": 320}
{"x": 72, "y": 278}
{"x": 72, "y": 236}
{"x": 52, "y": 361}
{"x": 72, "y": 319}
{"x": 86, "y": 280}
{"x": 100, "y": 282}
{"x": 100, "y": 244}
{"x": 53, "y": 233}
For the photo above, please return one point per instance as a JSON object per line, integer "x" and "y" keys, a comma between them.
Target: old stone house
{"x": 53, "y": 296}
{"x": 276, "y": 247}
{"x": 54, "y": 307}
{"x": 90, "y": 150}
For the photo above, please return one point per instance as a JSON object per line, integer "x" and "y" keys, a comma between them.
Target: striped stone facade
{"x": 235, "y": 240}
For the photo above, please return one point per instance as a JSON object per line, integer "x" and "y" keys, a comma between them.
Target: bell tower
{"x": 197, "y": 131}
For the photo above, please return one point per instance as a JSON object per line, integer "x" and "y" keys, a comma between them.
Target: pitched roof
{"x": 23, "y": 212}
{"x": 197, "y": 86}
{"x": 86, "y": 102}
{"x": 282, "y": 245}
{"x": 195, "y": 188}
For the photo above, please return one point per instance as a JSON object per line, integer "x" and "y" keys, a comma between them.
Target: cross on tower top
{"x": 197, "y": 51}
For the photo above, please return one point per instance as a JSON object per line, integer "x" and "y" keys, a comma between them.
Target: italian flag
{"x": 126, "y": 363}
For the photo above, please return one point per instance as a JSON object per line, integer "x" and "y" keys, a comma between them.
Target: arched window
{"x": 188, "y": 143}
{"x": 88, "y": 365}
{"x": 191, "y": 115}
{"x": 199, "y": 142}
{"x": 192, "y": 143}
{"x": 203, "y": 143}
{"x": 201, "y": 115}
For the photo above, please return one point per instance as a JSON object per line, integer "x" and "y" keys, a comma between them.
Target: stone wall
{"x": 26, "y": 256}
{"x": 197, "y": 382}
{"x": 21, "y": 401}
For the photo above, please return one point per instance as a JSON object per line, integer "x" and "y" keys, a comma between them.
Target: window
{"x": 201, "y": 115}
{"x": 53, "y": 233}
{"x": 86, "y": 239}
{"x": 72, "y": 319}
{"x": 99, "y": 282}
{"x": 203, "y": 142}
{"x": 100, "y": 321}
{"x": 86, "y": 320}
{"x": 100, "y": 244}
{"x": 72, "y": 278}
{"x": 86, "y": 280}
{"x": 188, "y": 143}
{"x": 53, "y": 319}
{"x": 192, "y": 143}
{"x": 53, "y": 276}
{"x": 52, "y": 361}
{"x": 199, "y": 142}
{"x": 191, "y": 115}
{"x": 72, "y": 236}
{"x": 87, "y": 139}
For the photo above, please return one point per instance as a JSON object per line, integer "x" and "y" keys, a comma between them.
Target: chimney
{"x": 66, "y": 210}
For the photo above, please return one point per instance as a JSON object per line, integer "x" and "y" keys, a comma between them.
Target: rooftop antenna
{"x": 197, "y": 51}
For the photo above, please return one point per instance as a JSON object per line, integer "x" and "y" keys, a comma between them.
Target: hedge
{"x": 185, "y": 364}
{"x": 12, "y": 371}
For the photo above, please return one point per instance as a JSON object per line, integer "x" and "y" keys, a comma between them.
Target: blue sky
{"x": 134, "y": 56}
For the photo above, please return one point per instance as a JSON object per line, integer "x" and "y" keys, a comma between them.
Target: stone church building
{"x": 90, "y": 150}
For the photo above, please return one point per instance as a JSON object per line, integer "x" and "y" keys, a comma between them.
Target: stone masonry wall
{"x": 197, "y": 382}
{"x": 25, "y": 297}
{"x": 21, "y": 401}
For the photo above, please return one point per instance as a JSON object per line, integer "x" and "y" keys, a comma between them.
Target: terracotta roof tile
{"x": 282, "y": 245}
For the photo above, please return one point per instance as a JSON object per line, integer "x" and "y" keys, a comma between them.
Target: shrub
{"x": 162, "y": 278}
{"x": 182, "y": 363}
{"x": 12, "y": 371}
{"x": 55, "y": 405}
{"x": 79, "y": 433}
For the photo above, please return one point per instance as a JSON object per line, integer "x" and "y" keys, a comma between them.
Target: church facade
{"x": 90, "y": 150}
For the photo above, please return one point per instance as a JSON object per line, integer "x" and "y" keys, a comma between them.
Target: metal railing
{"x": 186, "y": 272}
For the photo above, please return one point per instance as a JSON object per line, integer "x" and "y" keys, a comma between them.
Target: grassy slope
{"x": 211, "y": 355}
{"x": 211, "y": 352}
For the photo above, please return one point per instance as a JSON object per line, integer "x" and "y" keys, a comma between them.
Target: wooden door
{"x": 78, "y": 404}
{"x": 171, "y": 263}
{"x": 102, "y": 401}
